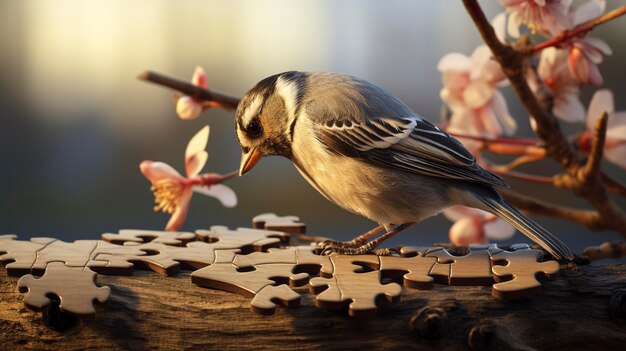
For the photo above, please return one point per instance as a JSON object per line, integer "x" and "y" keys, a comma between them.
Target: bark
{"x": 584, "y": 308}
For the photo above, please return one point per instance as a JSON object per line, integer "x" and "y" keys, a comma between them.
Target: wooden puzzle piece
{"x": 518, "y": 278}
{"x": 246, "y": 239}
{"x": 18, "y": 256}
{"x": 8, "y": 237}
{"x": 73, "y": 254}
{"x": 225, "y": 276}
{"x": 348, "y": 286}
{"x": 75, "y": 287}
{"x": 303, "y": 257}
{"x": 287, "y": 224}
{"x": 136, "y": 237}
{"x": 471, "y": 269}
{"x": 413, "y": 270}
{"x": 167, "y": 260}
{"x": 108, "y": 258}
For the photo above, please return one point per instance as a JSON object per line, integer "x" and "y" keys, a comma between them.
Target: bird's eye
{"x": 254, "y": 129}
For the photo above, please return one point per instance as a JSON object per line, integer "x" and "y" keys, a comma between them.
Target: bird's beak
{"x": 248, "y": 160}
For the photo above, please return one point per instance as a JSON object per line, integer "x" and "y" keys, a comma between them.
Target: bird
{"x": 365, "y": 150}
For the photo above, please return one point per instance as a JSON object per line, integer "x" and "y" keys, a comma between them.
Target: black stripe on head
{"x": 264, "y": 88}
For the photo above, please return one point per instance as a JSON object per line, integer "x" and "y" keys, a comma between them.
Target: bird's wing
{"x": 410, "y": 144}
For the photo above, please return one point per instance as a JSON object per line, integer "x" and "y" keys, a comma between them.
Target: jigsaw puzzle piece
{"x": 518, "y": 278}
{"x": 225, "y": 276}
{"x": 75, "y": 287}
{"x": 73, "y": 254}
{"x": 415, "y": 271}
{"x": 19, "y": 256}
{"x": 264, "y": 302}
{"x": 304, "y": 257}
{"x": 348, "y": 286}
{"x": 246, "y": 239}
{"x": 136, "y": 237}
{"x": 471, "y": 269}
{"x": 287, "y": 224}
{"x": 112, "y": 259}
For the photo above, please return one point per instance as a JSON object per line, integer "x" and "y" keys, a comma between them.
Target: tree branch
{"x": 584, "y": 179}
{"x": 607, "y": 250}
{"x": 586, "y": 218}
{"x": 579, "y": 30}
{"x": 196, "y": 92}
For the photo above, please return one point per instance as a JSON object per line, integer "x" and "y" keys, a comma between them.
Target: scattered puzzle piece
{"x": 74, "y": 254}
{"x": 414, "y": 270}
{"x": 301, "y": 256}
{"x": 136, "y": 237}
{"x": 74, "y": 286}
{"x": 225, "y": 276}
{"x": 19, "y": 256}
{"x": 471, "y": 269}
{"x": 347, "y": 286}
{"x": 287, "y": 224}
{"x": 246, "y": 239}
{"x": 518, "y": 279}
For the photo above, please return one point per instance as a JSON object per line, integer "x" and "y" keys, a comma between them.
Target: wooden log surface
{"x": 581, "y": 309}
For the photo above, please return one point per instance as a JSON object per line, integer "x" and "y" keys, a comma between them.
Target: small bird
{"x": 366, "y": 151}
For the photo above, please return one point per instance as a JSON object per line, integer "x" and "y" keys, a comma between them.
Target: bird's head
{"x": 266, "y": 117}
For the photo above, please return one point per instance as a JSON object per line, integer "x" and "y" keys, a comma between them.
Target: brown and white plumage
{"x": 365, "y": 150}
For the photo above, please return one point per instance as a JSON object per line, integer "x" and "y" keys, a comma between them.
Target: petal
{"x": 478, "y": 94}
{"x": 195, "y": 163}
{"x": 599, "y": 45}
{"x": 595, "y": 78}
{"x": 481, "y": 55}
{"x": 457, "y": 212}
{"x": 500, "y": 108}
{"x": 568, "y": 107}
{"x": 578, "y": 65}
{"x": 454, "y": 62}
{"x": 197, "y": 143}
{"x": 224, "y": 194}
{"x": 180, "y": 214}
{"x": 616, "y": 129}
{"x": 467, "y": 231}
{"x": 499, "y": 26}
{"x": 199, "y": 78}
{"x": 489, "y": 123}
{"x": 188, "y": 108}
{"x": 498, "y": 229}
{"x": 601, "y": 101}
{"x": 156, "y": 171}
{"x": 513, "y": 25}
{"x": 589, "y": 10}
{"x": 616, "y": 155}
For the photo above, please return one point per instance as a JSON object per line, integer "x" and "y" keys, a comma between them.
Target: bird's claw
{"x": 361, "y": 250}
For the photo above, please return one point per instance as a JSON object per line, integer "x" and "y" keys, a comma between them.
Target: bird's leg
{"x": 354, "y": 243}
{"x": 370, "y": 246}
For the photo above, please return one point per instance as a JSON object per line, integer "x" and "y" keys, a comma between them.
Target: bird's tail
{"x": 498, "y": 206}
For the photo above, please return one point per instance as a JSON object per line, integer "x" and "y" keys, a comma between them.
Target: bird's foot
{"x": 361, "y": 250}
{"x": 352, "y": 244}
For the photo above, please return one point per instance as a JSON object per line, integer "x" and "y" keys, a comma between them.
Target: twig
{"x": 580, "y": 29}
{"x": 587, "y": 218}
{"x": 614, "y": 250}
{"x": 196, "y": 92}
{"x": 513, "y": 141}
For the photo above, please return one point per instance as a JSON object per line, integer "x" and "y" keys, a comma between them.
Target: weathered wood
{"x": 149, "y": 311}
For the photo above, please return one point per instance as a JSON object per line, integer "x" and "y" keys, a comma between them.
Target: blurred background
{"x": 76, "y": 123}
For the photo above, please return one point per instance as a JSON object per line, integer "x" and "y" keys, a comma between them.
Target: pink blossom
{"x": 559, "y": 82}
{"x": 541, "y": 16}
{"x": 474, "y": 226}
{"x": 615, "y": 144}
{"x": 190, "y": 108}
{"x": 172, "y": 191}
{"x": 586, "y": 53}
{"x": 470, "y": 91}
